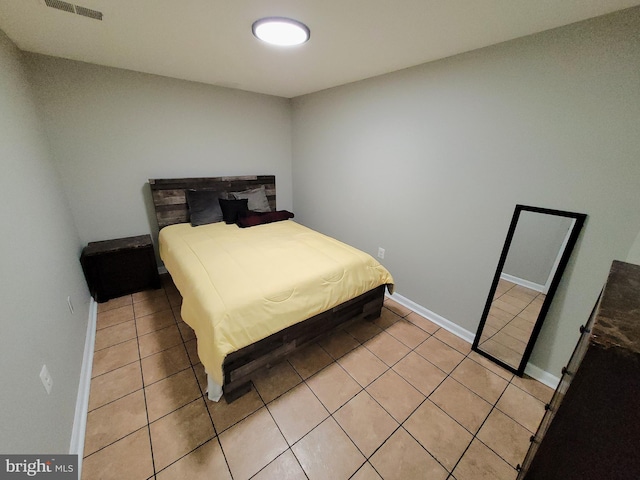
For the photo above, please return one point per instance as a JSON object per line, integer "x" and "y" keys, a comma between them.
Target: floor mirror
{"x": 536, "y": 251}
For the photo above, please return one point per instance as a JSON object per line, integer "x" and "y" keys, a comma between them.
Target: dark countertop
{"x": 618, "y": 320}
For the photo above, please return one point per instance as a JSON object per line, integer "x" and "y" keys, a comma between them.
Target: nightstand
{"x": 119, "y": 267}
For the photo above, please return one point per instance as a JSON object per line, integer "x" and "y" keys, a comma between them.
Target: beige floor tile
{"x": 480, "y": 463}
{"x": 297, "y": 412}
{"x": 367, "y": 423}
{"x": 186, "y": 331}
{"x": 480, "y": 380}
{"x": 333, "y": 386}
{"x": 442, "y": 436}
{"x": 422, "y": 323}
{"x": 328, "y": 453}
{"x": 128, "y": 458}
{"x": 443, "y": 356}
{"x": 273, "y": 382}
{"x": 252, "y": 444}
{"x": 494, "y": 367}
{"x": 175, "y": 299}
{"x": 159, "y": 340}
{"x": 504, "y": 436}
{"x": 115, "y": 384}
{"x": 362, "y": 365}
{"x": 201, "y": 376}
{"x": 420, "y": 373}
{"x": 192, "y": 351}
{"x": 533, "y": 387}
{"x": 171, "y": 393}
{"x": 363, "y": 330}
{"x": 113, "y": 421}
{"x": 204, "y": 463}
{"x": 114, "y": 303}
{"x": 114, "y": 317}
{"x": 386, "y": 318}
{"x": 522, "y": 407}
{"x": 114, "y": 357}
{"x": 160, "y": 365}
{"x": 151, "y": 305}
{"x": 119, "y": 333}
{"x": 407, "y": 333}
{"x": 366, "y": 472}
{"x": 178, "y": 433}
{"x": 397, "y": 396}
{"x": 402, "y": 458}
{"x": 387, "y": 348}
{"x": 147, "y": 295}
{"x": 226, "y": 415}
{"x": 339, "y": 343}
{"x": 453, "y": 341}
{"x": 396, "y": 308}
{"x": 309, "y": 360}
{"x": 285, "y": 467}
{"x": 467, "y": 408}
{"x": 154, "y": 321}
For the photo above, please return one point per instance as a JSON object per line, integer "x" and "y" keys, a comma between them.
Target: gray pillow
{"x": 257, "y": 198}
{"x": 203, "y": 207}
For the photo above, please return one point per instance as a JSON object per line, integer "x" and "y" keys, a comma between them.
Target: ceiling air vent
{"x": 71, "y": 8}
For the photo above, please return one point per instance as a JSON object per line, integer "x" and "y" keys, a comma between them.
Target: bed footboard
{"x": 239, "y": 366}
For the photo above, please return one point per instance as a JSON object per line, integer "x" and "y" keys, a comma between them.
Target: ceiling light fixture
{"x": 281, "y": 31}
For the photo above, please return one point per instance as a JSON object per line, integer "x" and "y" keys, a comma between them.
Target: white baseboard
{"x": 525, "y": 283}
{"x": 542, "y": 376}
{"x": 448, "y": 325}
{"x": 82, "y": 400}
{"x": 534, "y": 372}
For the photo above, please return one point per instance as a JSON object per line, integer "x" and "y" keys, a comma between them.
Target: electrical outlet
{"x": 70, "y": 304}
{"x": 47, "y": 381}
{"x": 380, "y": 252}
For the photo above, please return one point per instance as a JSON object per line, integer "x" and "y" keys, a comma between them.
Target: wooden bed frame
{"x": 170, "y": 203}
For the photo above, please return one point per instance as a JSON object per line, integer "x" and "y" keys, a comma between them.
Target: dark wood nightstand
{"x": 119, "y": 267}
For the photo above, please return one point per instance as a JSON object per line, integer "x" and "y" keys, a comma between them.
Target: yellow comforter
{"x": 240, "y": 285}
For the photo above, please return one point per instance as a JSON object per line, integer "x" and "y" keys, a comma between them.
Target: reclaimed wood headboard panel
{"x": 170, "y": 200}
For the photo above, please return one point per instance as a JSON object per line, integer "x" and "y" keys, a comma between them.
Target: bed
{"x": 254, "y": 295}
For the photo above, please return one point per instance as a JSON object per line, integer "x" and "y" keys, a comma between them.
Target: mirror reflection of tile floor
{"x": 511, "y": 319}
{"x": 397, "y": 398}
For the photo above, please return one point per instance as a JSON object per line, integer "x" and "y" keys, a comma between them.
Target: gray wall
{"x": 535, "y": 246}
{"x": 39, "y": 248}
{"x": 111, "y": 130}
{"x": 429, "y": 163}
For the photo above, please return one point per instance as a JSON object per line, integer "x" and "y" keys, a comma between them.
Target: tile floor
{"x": 399, "y": 398}
{"x": 510, "y": 322}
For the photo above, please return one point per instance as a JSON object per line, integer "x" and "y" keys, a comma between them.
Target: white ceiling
{"x": 210, "y": 41}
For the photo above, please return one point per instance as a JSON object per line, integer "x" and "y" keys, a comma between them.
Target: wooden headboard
{"x": 170, "y": 200}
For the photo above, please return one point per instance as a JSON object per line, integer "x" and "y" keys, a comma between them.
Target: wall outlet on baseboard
{"x": 47, "y": 381}
{"x": 380, "y": 252}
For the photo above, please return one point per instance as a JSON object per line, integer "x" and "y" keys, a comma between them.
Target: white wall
{"x": 111, "y": 130}
{"x": 429, "y": 163}
{"x": 39, "y": 251}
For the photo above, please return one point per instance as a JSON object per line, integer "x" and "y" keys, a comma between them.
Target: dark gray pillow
{"x": 203, "y": 207}
{"x": 257, "y": 198}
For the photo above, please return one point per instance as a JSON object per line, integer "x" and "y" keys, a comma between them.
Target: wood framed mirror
{"x": 535, "y": 253}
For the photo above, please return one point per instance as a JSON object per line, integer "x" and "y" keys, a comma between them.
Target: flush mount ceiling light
{"x": 280, "y": 31}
